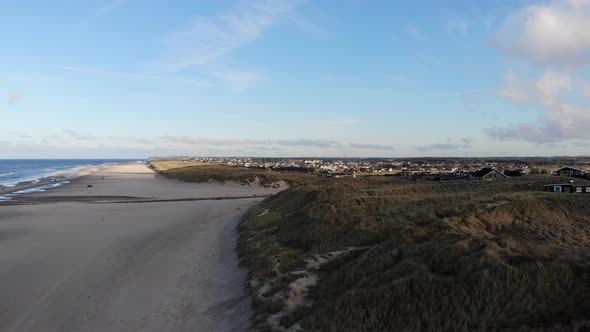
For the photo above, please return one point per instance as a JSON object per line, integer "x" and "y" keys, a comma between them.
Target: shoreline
{"x": 167, "y": 263}
{"x": 9, "y": 192}
{"x": 124, "y": 183}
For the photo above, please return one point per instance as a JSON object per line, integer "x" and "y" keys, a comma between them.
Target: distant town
{"x": 416, "y": 168}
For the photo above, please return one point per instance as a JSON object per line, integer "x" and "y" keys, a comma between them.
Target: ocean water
{"x": 13, "y": 171}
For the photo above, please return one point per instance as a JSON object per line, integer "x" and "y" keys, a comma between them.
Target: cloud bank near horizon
{"x": 554, "y": 38}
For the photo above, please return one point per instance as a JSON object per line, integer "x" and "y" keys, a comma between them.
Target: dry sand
{"x": 70, "y": 265}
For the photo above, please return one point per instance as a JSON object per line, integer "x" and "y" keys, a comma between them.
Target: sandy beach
{"x": 80, "y": 257}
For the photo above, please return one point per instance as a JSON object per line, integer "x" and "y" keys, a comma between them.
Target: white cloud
{"x": 209, "y": 38}
{"x": 192, "y": 145}
{"x": 19, "y": 134}
{"x": 555, "y": 37}
{"x": 383, "y": 147}
{"x": 557, "y": 33}
{"x": 271, "y": 143}
{"x": 339, "y": 122}
{"x": 451, "y": 144}
{"x": 189, "y": 140}
{"x": 78, "y": 136}
{"x": 514, "y": 89}
{"x": 583, "y": 87}
{"x": 578, "y": 3}
{"x": 309, "y": 143}
{"x": 563, "y": 120}
{"x": 551, "y": 84}
{"x": 544, "y": 89}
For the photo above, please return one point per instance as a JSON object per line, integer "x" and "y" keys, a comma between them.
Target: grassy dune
{"x": 381, "y": 254}
{"x": 202, "y": 172}
{"x": 166, "y": 165}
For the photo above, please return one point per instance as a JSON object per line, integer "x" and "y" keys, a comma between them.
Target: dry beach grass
{"x": 200, "y": 172}
{"x": 396, "y": 255}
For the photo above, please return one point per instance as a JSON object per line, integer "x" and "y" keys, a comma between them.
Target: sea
{"x": 15, "y": 171}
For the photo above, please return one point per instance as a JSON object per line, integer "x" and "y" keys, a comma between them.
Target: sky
{"x": 284, "y": 78}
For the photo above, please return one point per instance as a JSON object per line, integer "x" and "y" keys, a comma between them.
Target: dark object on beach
{"x": 89, "y": 186}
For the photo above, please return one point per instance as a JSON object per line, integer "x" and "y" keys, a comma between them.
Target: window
{"x": 578, "y": 189}
{"x": 557, "y": 189}
{"x": 588, "y": 189}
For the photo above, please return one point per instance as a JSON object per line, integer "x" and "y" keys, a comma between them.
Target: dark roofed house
{"x": 570, "y": 171}
{"x": 488, "y": 174}
{"x": 567, "y": 188}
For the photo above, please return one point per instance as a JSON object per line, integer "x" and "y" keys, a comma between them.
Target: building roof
{"x": 485, "y": 171}
{"x": 572, "y": 167}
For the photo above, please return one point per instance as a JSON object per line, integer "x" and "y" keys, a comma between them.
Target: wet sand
{"x": 71, "y": 264}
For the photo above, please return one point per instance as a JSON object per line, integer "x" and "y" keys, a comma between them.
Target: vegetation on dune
{"x": 166, "y": 165}
{"x": 375, "y": 253}
{"x": 381, "y": 254}
{"x": 202, "y": 172}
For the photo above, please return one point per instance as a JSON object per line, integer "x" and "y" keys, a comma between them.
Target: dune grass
{"x": 202, "y": 172}
{"x": 445, "y": 256}
{"x": 166, "y": 165}
{"x": 386, "y": 254}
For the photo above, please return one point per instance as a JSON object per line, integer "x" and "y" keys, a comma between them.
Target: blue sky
{"x": 129, "y": 78}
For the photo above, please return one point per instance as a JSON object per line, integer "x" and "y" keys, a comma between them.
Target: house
{"x": 567, "y": 188}
{"x": 570, "y": 171}
{"x": 488, "y": 174}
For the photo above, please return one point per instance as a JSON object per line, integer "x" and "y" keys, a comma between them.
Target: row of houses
{"x": 494, "y": 174}
{"x": 569, "y": 187}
